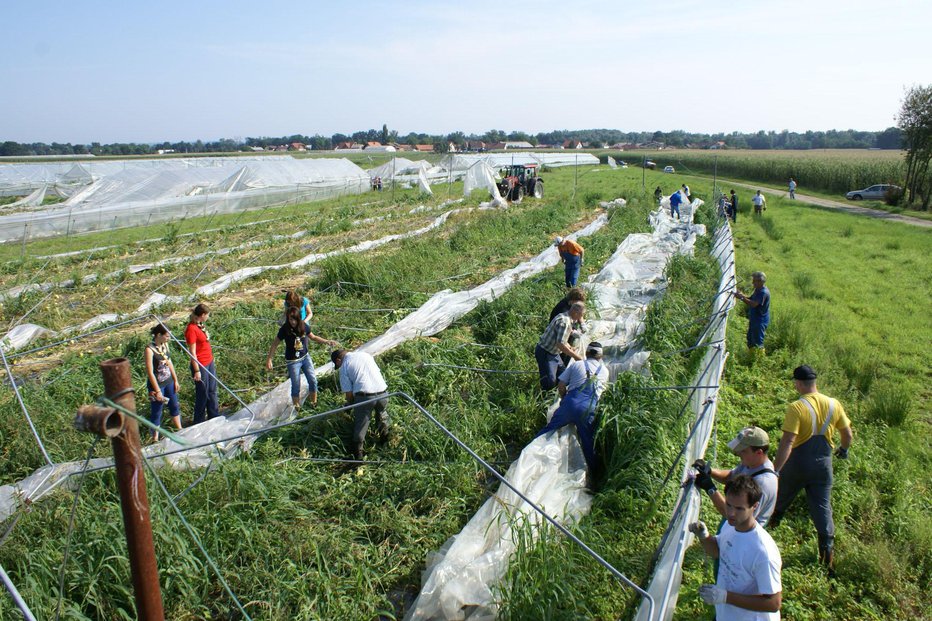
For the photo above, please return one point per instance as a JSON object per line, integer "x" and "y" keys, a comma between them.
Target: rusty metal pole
{"x": 131, "y": 480}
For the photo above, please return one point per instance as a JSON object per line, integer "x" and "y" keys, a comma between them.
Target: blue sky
{"x": 144, "y": 72}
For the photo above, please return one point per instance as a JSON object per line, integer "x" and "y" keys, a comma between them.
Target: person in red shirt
{"x": 571, "y": 254}
{"x": 203, "y": 369}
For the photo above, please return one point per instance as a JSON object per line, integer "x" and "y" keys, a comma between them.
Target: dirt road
{"x": 823, "y": 202}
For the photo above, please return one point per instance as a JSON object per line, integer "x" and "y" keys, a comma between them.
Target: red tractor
{"x": 520, "y": 180}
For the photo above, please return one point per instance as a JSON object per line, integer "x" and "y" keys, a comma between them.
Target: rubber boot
{"x": 827, "y": 554}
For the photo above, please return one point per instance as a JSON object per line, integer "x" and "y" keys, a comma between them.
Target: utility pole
{"x": 123, "y": 432}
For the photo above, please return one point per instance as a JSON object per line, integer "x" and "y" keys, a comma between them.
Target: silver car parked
{"x": 875, "y": 192}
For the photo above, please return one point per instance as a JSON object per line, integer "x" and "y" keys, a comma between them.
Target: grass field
{"x": 299, "y": 539}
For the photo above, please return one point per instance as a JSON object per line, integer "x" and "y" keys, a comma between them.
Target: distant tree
{"x": 384, "y": 136}
{"x": 915, "y": 119}
{"x": 890, "y": 138}
{"x": 9, "y": 148}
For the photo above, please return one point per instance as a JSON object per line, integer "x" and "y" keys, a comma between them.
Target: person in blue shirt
{"x": 758, "y": 310}
{"x": 675, "y": 199}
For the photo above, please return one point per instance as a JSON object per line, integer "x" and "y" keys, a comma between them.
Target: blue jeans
{"x": 577, "y": 408}
{"x": 549, "y": 365}
{"x": 156, "y": 407}
{"x": 756, "y": 331}
{"x": 571, "y": 263}
{"x": 675, "y": 209}
{"x": 295, "y": 369}
{"x": 205, "y": 394}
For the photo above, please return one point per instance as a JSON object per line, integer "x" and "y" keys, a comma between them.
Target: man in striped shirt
{"x": 554, "y": 341}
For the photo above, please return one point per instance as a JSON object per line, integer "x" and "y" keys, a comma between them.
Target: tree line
{"x": 890, "y": 138}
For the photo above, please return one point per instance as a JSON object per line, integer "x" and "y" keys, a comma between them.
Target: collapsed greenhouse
{"x": 117, "y": 194}
{"x": 546, "y": 481}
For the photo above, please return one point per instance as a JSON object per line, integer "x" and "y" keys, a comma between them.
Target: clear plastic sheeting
{"x": 459, "y": 162}
{"x": 611, "y": 162}
{"x": 423, "y": 184}
{"x": 481, "y": 177}
{"x": 461, "y": 577}
{"x": 275, "y": 406}
{"x": 130, "y": 194}
{"x": 668, "y": 573}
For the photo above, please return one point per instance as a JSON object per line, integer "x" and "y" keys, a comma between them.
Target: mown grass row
{"x": 301, "y": 540}
{"x": 849, "y": 297}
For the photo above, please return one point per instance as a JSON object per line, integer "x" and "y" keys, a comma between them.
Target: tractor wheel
{"x": 517, "y": 195}
{"x": 538, "y": 190}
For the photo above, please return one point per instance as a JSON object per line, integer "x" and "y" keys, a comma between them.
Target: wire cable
{"x": 74, "y": 509}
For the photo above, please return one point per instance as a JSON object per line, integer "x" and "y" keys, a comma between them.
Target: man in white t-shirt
{"x": 748, "y": 586}
{"x": 581, "y": 386}
{"x": 361, "y": 382}
{"x": 759, "y": 202}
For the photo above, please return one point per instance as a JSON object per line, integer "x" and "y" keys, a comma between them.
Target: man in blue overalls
{"x": 804, "y": 459}
{"x": 581, "y": 385}
{"x": 758, "y": 310}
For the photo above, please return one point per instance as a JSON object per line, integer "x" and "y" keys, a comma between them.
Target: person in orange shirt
{"x": 571, "y": 254}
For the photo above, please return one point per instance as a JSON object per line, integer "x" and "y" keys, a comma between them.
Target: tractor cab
{"x": 519, "y": 180}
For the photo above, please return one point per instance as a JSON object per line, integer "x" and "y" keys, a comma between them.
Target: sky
{"x": 148, "y": 72}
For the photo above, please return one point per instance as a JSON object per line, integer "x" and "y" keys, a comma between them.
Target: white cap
{"x": 557, "y": 240}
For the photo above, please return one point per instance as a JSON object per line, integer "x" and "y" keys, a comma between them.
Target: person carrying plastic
{"x": 161, "y": 380}
{"x": 297, "y": 336}
{"x": 658, "y": 194}
{"x": 572, "y": 255}
{"x": 748, "y": 579}
{"x": 675, "y": 199}
{"x": 758, "y": 310}
{"x": 553, "y": 342}
{"x": 361, "y": 382}
{"x": 734, "y": 207}
{"x": 203, "y": 367}
{"x": 751, "y": 446}
{"x": 687, "y": 193}
{"x": 581, "y": 386}
{"x": 804, "y": 459}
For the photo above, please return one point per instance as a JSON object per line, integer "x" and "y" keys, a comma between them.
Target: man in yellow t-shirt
{"x": 804, "y": 459}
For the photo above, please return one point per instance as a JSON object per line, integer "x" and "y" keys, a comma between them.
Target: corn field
{"x": 832, "y": 171}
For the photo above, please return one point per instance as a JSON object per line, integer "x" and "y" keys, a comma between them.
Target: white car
{"x": 669, "y": 169}
{"x": 875, "y": 192}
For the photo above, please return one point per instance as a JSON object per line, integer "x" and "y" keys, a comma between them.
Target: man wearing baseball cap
{"x": 804, "y": 459}
{"x": 581, "y": 386}
{"x": 572, "y": 255}
{"x": 751, "y": 446}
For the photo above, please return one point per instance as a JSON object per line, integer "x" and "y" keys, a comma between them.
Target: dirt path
{"x": 823, "y": 202}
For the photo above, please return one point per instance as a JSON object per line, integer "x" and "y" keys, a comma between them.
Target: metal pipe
{"x": 105, "y": 422}
{"x": 17, "y": 598}
{"x": 19, "y": 397}
{"x": 134, "y": 502}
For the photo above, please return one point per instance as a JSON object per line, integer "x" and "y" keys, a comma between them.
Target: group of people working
{"x": 758, "y": 493}
{"x": 360, "y": 377}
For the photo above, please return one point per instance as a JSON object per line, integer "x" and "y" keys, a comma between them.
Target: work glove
{"x": 841, "y": 452}
{"x": 700, "y": 530}
{"x": 704, "y": 480}
{"x": 712, "y": 594}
